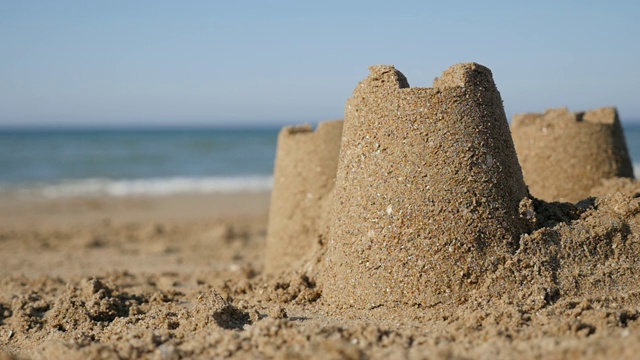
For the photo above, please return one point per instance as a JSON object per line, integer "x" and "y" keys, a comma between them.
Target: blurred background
{"x": 152, "y": 97}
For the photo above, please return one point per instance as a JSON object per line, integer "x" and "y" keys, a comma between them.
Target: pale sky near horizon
{"x": 96, "y": 63}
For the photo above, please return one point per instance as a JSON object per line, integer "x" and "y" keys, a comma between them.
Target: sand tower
{"x": 304, "y": 175}
{"x": 427, "y": 191}
{"x": 563, "y": 155}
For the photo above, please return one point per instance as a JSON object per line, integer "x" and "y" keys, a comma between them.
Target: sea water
{"x": 632, "y": 135}
{"x": 123, "y": 162}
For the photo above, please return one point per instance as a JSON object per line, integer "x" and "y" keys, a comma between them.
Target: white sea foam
{"x": 155, "y": 186}
{"x": 148, "y": 187}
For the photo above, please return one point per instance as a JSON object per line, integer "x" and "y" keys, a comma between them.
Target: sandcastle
{"x": 427, "y": 191}
{"x": 304, "y": 175}
{"x": 564, "y": 155}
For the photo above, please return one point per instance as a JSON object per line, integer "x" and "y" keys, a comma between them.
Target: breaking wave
{"x": 145, "y": 187}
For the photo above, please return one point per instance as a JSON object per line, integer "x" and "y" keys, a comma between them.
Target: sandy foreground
{"x": 181, "y": 277}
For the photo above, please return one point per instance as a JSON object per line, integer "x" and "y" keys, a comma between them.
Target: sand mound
{"x": 563, "y": 155}
{"x": 588, "y": 251}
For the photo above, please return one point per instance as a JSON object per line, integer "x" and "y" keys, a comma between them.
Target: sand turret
{"x": 564, "y": 155}
{"x": 304, "y": 175}
{"x": 427, "y": 191}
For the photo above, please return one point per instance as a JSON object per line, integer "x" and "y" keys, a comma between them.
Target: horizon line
{"x": 192, "y": 126}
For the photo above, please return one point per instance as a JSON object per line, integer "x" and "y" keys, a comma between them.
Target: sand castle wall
{"x": 304, "y": 175}
{"x": 427, "y": 191}
{"x": 564, "y": 155}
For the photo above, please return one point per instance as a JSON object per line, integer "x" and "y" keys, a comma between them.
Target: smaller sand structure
{"x": 304, "y": 175}
{"x": 564, "y": 155}
{"x": 427, "y": 194}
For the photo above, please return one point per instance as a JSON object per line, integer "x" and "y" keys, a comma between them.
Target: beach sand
{"x": 181, "y": 277}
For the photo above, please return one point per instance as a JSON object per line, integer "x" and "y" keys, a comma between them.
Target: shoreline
{"x": 143, "y": 187}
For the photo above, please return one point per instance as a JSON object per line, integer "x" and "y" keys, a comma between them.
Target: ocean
{"x": 122, "y": 162}
{"x": 150, "y": 162}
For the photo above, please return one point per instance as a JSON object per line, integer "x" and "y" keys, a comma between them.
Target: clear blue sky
{"x": 213, "y": 62}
